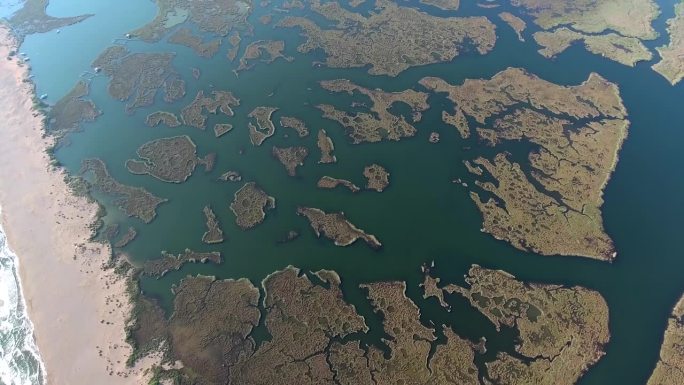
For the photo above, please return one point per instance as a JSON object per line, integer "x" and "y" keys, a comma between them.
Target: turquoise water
{"x": 422, "y": 216}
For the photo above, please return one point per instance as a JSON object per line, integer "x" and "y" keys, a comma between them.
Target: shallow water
{"x": 422, "y": 216}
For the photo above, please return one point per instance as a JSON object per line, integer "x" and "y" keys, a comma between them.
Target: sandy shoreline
{"x": 78, "y": 309}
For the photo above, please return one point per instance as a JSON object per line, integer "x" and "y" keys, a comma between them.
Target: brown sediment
{"x": 185, "y": 37}
{"x": 167, "y": 159}
{"x": 266, "y": 19}
{"x": 214, "y": 234}
{"x": 231, "y": 176}
{"x": 517, "y": 24}
{"x": 63, "y": 259}
{"x": 291, "y": 157}
{"x": 622, "y": 49}
{"x": 295, "y": 124}
{"x": 133, "y": 201}
{"x": 209, "y": 161}
{"x": 563, "y": 331}
{"x": 267, "y": 51}
{"x": 325, "y": 144}
{"x": 110, "y": 231}
{"x": 473, "y": 169}
{"x": 218, "y": 18}
{"x": 377, "y": 176}
{"x": 127, "y": 238}
{"x": 249, "y": 205}
{"x": 137, "y": 77}
{"x": 160, "y": 266}
{"x": 265, "y": 129}
{"x": 162, "y": 117}
{"x": 193, "y": 114}
{"x": 327, "y": 182}
{"x": 379, "y": 123}
{"x": 71, "y": 111}
{"x": 490, "y": 4}
{"x": 289, "y": 237}
{"x": 671, "y": 65}
{"x": 572, "y": 163}
{"x": 336, "y": 227}
{"x": 391, "y": 39}
{"x": 670, "y": 367}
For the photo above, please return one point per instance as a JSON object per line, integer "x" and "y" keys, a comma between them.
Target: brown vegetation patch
{"x": 325, "y": 144}
{"x": 71, "y": 111}
{"x": 379, "y": 123}
{"x": 127, "y": 238}
{"x": 160, "y": 266}
{"x": 624, "y": 50}
{"x": 377, "y": 176}
{"x": 517, "y": 24}
{"x": 134, "y": 201}
{"x": 214, "y": 234}
{"x": 562, "y": 330}
{"x": 555, "y": 209}
{"x": 267, "y": 51}
{"x": 392, "y": 38}
{"x": 327, "y": 182}
{"x": 185, "y": 37}
{"x": 193, "y": 114}
{"x": 265, "y": 129}
{"x": 291, "y": 157}
{"x": 211, "y": 323}
{"x": 671, "y": 65}
{"x": 336, "y": 227}
{"x": 216, "y": 17}
{"x": 670, "y": 367}
{"x": 162, "y": 117}
{"x": 249, "y": 205}
{"x": 136, "y": 78}
{"x": 167, "y": 159}
{"x": 296, "y": 124}
{"x": 32, "y": 18}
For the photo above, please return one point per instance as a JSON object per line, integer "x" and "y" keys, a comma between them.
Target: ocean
{"x": 20, "y": 362}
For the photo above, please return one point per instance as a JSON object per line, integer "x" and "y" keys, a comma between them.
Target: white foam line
{"x": 10, "y": 277}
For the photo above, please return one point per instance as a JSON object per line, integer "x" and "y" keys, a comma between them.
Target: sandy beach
{"x": 78, "y": 309}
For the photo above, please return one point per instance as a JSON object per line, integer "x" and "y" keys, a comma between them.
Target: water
{"x": 8, "y": 7}
{"x": 20, "y": 362}
{"x": 422, "y": 216}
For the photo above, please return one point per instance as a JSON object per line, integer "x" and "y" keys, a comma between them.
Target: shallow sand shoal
{"x": 78, "y": 309}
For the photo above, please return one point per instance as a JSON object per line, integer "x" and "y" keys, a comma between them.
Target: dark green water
{"x": 422, "y": 216}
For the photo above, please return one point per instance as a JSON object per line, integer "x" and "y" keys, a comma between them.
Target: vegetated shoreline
{"x": 78, "y": 307}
